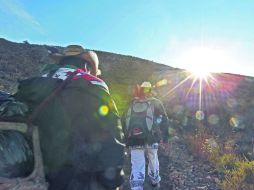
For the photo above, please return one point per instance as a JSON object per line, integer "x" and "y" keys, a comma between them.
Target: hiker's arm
{"x": 161, "y": 112}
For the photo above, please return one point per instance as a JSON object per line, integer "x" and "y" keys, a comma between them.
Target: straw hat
{"x": 87, "y": 55}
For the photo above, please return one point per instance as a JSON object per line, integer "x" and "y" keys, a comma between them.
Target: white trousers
{"x": 138, "y": 165}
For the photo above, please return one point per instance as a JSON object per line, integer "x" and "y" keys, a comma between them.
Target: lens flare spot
{"x": 213, "y": 119}
{"x": 234, "y": 122}
{"x": 103, "y": 110}
{"x": 200, "y": 115}
{"x": 161, "y": 83}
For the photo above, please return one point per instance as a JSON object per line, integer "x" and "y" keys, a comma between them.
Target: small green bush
{"x": 241, "y": 176}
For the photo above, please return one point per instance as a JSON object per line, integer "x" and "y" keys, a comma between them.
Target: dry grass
{"x": 238, "y": 172}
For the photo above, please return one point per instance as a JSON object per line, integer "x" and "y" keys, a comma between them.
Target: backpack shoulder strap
{"x": 37, "y": 110}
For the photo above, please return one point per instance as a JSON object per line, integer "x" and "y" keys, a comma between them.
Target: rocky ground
{"x": 180, "y": 170}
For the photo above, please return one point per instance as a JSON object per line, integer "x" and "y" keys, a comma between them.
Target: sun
{"x": 199, "y": 72}
{"x": 202, "y": 61}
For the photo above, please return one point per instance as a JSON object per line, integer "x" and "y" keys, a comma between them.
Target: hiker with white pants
{"x": 145, "y": 124}
{"x": 138, "y": 165}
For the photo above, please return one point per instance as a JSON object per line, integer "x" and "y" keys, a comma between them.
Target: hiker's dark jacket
{"x": 80, "y": 134}
{"x": 161, "y": 133}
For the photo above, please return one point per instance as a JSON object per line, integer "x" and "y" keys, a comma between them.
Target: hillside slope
{"x": 219, "y": 109}
{"x": 22, "y": 60}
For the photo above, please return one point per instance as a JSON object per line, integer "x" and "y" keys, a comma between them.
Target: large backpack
{"x": 140, "y": 119}
{"x": 10, "y": 108}
{"x": 34, "y": 90}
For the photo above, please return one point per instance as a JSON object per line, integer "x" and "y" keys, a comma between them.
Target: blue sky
{"x": 215, "y": 35}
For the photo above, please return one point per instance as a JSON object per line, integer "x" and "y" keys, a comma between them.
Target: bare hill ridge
{"x": 22, "y": 60}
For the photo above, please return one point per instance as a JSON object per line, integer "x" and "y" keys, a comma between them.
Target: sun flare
{"x": 201, "y": 73}
{"x": 201, "y": 61}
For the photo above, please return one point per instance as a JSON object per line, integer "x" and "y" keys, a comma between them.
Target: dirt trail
{"x": 180, "y": 171}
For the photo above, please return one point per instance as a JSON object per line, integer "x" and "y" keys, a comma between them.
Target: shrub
{"x": 227, "y": 162}
{"x": 240, "y": 177}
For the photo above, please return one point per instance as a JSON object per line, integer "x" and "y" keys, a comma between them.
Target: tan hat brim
{"x": 89, "y": 56}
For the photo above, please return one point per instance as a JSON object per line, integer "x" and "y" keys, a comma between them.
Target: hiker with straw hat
{"x": 80, "y": 131}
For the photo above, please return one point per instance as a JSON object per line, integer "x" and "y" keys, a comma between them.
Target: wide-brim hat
{"x": 77, "y": 50}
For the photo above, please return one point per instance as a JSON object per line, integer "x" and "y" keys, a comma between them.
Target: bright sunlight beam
{"x": 201, "y": 61}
